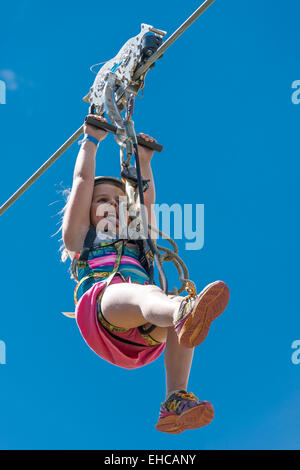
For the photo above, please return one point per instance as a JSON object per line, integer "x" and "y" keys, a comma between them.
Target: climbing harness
{"x": 114, "y": 90}
{"x": 94, "y": 275}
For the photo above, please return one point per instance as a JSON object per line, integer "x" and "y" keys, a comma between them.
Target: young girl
{"x": 124, "y": 319}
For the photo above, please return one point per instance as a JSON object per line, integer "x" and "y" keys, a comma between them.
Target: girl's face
{"x": 105, "y": 207}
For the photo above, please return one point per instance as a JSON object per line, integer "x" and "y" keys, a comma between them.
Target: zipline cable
{"x": 41, "y": 170}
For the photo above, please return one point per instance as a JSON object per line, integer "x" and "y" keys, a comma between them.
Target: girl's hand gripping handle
{"x": 93, "y": 120}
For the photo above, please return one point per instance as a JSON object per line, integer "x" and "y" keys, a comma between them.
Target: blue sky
{"x": 220, "y": 103}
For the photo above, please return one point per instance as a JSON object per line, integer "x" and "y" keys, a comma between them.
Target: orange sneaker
{"x": 195, "y": 314}
{"x": 182, "y": 411}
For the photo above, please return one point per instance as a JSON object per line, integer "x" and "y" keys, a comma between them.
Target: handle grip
{"x": 113, "y": 130}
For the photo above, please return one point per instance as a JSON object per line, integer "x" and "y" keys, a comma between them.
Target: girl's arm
{"x": 76, "y": 219}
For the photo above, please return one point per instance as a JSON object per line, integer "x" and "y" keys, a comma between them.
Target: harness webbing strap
{"x": 96, "y": 275}
{"x": 146, "y": 259}
{"x": 120, "y": 248}
{"x": 123, "y": 340}
{"x": 146, "y": 331}
{"x": 87, "y": 244}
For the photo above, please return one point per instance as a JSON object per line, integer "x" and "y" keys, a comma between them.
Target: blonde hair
{"x": 64, "y": 255}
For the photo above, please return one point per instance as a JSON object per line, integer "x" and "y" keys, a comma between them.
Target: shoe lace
{"x": 188, "y": 301}
{"x": 174, "y": 404}
{"x": 188, "y": 396}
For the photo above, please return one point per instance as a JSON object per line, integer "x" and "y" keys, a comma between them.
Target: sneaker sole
{"x": 211, "y": 302}
{"x": 194, "y": 418}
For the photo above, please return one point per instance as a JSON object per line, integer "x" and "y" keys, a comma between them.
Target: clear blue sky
{"x": 220, "y": 103}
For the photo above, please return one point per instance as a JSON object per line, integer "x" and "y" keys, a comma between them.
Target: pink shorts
{"x": 113, "y": 346}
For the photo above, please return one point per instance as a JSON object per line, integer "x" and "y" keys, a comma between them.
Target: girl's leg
{"x": 178, "y": 361}
{"x": 130, "y": 305}
{"x": 180, "y": 411}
